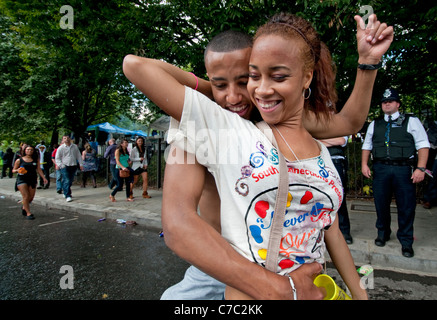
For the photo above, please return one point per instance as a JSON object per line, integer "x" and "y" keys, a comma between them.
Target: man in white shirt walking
{"x": 67, "y": 158}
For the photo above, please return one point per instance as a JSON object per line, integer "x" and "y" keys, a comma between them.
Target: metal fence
{"x": 155, "y": 160}
{"x": 357, "y": 186}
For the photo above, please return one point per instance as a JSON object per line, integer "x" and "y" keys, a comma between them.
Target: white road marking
{"x": 47, "y": 224}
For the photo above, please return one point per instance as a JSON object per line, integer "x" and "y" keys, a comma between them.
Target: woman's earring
{"x": 307, "y": 96}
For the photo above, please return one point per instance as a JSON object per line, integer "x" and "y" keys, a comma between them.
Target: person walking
{"x": 89, "y": 157}
{"x": 58, "y": 174}
{"x": 20, "y": 152}
{"x": 139, "y": 165}
{"x": 393, "y": 140}
{"x": 46, "y": 164}
{"x": 110, "y": 154}
{"x": 28, "y": 168}
{"x": 67, "y": 158}
{"x": 7, "y": 157}
{"x": 125, "y": 171}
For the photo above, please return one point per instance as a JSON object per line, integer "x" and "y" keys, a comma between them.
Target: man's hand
{"x": 303, "y": 279}
{"x": 418, "y": 176}
{"x": 365, "y": 170}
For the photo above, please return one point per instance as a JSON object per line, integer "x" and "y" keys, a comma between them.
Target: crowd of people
{"x": 30, "y": 162}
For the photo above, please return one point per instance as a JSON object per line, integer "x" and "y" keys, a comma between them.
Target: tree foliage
{"x": 55, "y": 79}
{"x": 67, "y": 78}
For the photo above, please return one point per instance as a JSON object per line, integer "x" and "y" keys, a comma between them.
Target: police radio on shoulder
{"x": 363, "y": 66}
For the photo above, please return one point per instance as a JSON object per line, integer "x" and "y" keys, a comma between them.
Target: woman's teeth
{"x": 267, "y": 105}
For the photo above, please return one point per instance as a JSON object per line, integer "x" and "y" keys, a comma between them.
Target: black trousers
{"x": 389, "y": 180}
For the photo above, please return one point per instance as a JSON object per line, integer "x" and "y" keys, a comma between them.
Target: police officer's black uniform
{"x": 394, "y": 150}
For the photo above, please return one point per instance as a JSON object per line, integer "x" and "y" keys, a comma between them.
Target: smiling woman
{"x": 283, "y": 66}
{"x": 296, "y": 52}
{"x": 278, "y": 79}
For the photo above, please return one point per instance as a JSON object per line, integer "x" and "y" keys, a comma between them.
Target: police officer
{"x": 393, "y": 141}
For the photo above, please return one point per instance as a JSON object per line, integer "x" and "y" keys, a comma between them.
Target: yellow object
{"x": 289, "y": 198}
{"x": 333, "y": 291}
{"x": 262, "y": 253}
{"x": 367, "y": 190}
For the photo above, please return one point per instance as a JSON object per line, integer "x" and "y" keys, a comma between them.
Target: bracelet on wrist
{"x": 421, "y": 169}
{"x": 197, "y": 81}
{"x": 364, "y": 66}
{"x": 293, "y": 288}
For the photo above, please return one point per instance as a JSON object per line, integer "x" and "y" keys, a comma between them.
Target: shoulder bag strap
{"x": 280, "y": 203}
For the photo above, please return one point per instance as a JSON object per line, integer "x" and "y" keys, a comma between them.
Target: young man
{"x": 198, "y": 242}
{"x": 393, "y": 141}
{"x": 67, "y": 158}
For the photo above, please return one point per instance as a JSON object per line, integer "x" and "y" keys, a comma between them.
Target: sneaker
{"x": 69, "y": 199}
{"x": 427, "y": 205}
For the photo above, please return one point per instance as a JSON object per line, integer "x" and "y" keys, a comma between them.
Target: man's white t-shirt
{"x": 245, "y": 166}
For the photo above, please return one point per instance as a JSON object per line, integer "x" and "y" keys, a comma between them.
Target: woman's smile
{"x": 268, "y": 105}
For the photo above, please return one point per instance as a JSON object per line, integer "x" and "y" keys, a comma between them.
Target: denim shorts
{"x": 196, "y": 285}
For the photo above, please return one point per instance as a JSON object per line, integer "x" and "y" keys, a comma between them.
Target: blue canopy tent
{"x": 111, "y": 128}
{"x": 140, "y": 133}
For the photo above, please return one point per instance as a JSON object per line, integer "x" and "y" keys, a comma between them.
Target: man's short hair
{"x": 228, "y": 41}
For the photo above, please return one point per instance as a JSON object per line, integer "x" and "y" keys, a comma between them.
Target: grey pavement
{"x": 147, "y": 212}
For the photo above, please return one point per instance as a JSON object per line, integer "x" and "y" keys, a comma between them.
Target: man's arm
{"x": 422, "y": 155}
{"x": 107, "y": 152}
{"x": 332, "y": 142}
{"x": 365, "y": 154}
{"x": 373, "y": 42}
{"x": 195, "y": 241}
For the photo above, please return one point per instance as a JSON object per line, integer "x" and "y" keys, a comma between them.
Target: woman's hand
{"x": 373, "y": 40}
{"x": 22, "y": 170}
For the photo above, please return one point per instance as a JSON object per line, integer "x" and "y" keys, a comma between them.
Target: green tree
{"x": 55, "y": 79}
{"x": 72, "y": 77}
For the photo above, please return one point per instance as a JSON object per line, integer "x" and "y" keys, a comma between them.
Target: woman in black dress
{"x": 27, "y": 168}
